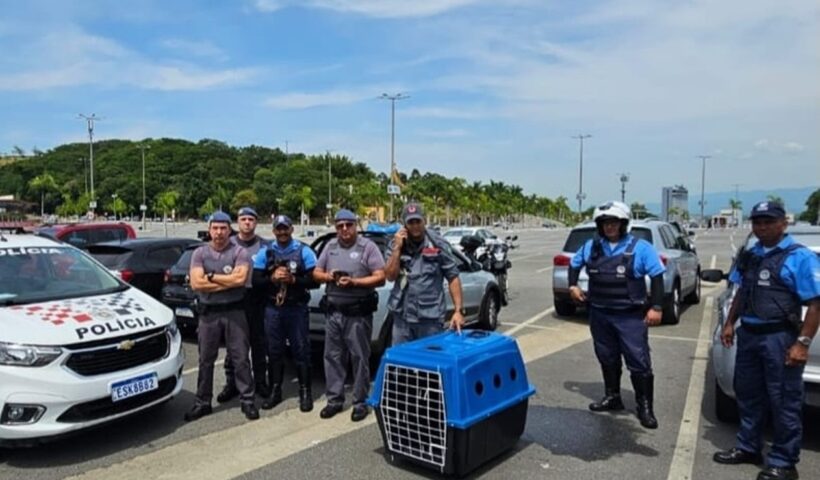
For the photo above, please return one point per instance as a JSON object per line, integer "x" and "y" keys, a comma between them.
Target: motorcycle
{"x": 493, "y": 258}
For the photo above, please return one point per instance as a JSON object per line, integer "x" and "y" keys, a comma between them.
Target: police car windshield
{"x": 41, "y": 274}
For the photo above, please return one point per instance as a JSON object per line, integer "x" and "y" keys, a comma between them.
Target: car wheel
{"x": 488, "y": 318}
{"x": 671, "y": 309}
{"x": 565, "y": 308}
{"x": 694, "y": 297}
{"x": 725, "y": 406}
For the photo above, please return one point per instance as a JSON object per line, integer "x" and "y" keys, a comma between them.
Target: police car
{"x": 78, "y": 346}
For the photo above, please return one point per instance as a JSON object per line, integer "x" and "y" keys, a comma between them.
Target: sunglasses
{"x": 342, "y": 225}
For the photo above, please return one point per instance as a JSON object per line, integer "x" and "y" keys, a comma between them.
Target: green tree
{"x": 812, "y": 212}
{"x": 244, "y": 198}
{"x": 44, "y": 184}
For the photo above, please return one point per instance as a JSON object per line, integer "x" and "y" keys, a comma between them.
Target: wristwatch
{"x": 804, "y": 340}
{"x": 210, "y": 277}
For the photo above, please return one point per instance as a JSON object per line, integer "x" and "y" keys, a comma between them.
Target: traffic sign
{"x": 92, "y": 204}
{"x": 393, "y": 190}
{"x": 143, "y": 207}
{"x": 329, "y": 206}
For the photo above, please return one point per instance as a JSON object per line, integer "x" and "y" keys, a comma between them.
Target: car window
{"x": 183, "y": 263}
{"x": 455, "y": 233}
{"x": 78, "y": 238}
{"x": 108, "y": 235}
{"x": 40, "y": 274}
{"x": 579, "y": 236}
{"x": 163, "y": 257}
{"x": 668, "y": 237}
{"x": 114, "y": 258}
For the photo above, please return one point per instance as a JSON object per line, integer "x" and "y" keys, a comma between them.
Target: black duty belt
{"x": 765, "y": 328}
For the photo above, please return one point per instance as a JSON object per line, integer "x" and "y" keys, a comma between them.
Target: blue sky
{"x": 497, "y": 87}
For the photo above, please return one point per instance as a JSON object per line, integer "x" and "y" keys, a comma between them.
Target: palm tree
{"x": 44, "y": 184}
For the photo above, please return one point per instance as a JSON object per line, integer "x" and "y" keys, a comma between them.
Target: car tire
{"x": 672, "y": 306}
{"x": 725, "y": 406}
{"x": 488, "y": 316}
{"x": 694, "y": 297}
{"x": 565, "y": 308}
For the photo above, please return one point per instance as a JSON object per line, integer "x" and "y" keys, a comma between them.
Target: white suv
{"x": 78, "y": 347}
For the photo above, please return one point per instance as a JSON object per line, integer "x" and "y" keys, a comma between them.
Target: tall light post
{"x": 736, "y": 206}
{"x": 329, "y": 183}
{"x": 90, "y": 119}
{"x": 144, "y": 205}
{"x": 391, "y": 189}
{"x": 581, "y": 194}
{"x": 624, "y": 179}
{"x": 702, "y": 186}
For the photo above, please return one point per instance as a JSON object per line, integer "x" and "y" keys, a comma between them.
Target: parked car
{"x": 176, "y": 290}
{"x": 141, "y": 262}
{"x": 481, "y": 296}
{"x": 723, "y": 359}
{"x": 79, "y": 347}
{"x": 684, "y": 236}
{"x": 82, "y": 235}
{"x": 681, "y": 281}
{"x": 454, "y": 235}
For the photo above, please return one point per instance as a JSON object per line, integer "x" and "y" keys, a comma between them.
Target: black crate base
{"x": 469, "y": 449}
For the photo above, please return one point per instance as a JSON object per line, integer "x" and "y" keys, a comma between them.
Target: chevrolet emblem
{"x": 126, "y": 345}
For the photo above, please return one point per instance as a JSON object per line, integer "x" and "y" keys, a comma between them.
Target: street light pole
{"x": 702, "y": 185}
{"x": 581, "y": 195}
{"x": 624, "y": 179}
{"x": 329, "y": 183}
{"x": 392, "y": 98}
{"x": 144, "y": 206}
{"x": 90, "y": 119}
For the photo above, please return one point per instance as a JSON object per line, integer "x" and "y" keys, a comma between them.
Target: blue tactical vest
{"x": 762, "y": 290}
{"x": 350, "y": 260}
{"x": 611, "y": 280}
{"x": 296, "y": 266}
{"x": 223, "y": 263}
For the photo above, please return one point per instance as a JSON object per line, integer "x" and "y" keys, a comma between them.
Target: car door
{"x": 472, "y": 286}
{"x": 680, "y": 260}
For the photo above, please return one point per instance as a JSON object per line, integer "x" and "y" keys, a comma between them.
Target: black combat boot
{"x": 277, "y": 374}
{"x": 305, "y": 393}
{"x": 612, "y": 391}
{"x": 644, "y": 398}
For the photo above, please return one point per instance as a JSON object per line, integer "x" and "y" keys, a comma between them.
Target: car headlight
{"x": 13, "y": 354}
{"x": 172, "y": 327}
{"x": 499, "y": 255}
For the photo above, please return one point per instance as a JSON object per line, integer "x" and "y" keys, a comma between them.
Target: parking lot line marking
{"x": 542, "y": 270}
{"x": 272, "y": 438}
{"x": 537, "y": 327}
{"x": 678, "y": 339}
{"x": 713, "y": 262}
{"x": 532, "y": 320}
{"x": 537, "y": 254}
{"x": 683, "y": 460}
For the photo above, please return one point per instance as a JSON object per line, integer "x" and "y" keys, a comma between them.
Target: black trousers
{"x": 255, "y": 313}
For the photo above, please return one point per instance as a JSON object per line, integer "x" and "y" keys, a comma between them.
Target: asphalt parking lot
{"x": 563, "y": 439}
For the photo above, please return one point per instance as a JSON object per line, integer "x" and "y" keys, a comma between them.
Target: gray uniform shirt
{"x": 359, "y": 260}
{"x": 418, "y": 293}
{"x": 221, "y": 262}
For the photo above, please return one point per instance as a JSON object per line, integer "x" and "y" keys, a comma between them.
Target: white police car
{"x": 78, "y": 347}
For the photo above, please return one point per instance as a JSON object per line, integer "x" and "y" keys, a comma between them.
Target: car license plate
{"x": 134, "y": 386}
{"x": 184, "y": 312}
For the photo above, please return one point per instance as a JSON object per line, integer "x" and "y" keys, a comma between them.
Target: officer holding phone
{"x": 418, "y": 261}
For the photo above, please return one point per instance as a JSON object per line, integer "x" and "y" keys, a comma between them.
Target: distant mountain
{"x": 794, "y": 198}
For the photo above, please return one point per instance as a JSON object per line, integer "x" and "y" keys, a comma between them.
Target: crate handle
{"x": 477, "y": 334}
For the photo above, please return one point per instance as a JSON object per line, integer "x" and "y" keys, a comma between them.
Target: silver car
{"x": 681, "y": 282}
{"x": 723, "y": 359}
{"x": 480, "y": 291}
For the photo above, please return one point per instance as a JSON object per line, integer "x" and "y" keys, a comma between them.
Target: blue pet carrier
{"x": 451, "y": 402}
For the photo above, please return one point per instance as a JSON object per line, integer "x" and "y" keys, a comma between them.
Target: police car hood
{"x": 84, "y": 319}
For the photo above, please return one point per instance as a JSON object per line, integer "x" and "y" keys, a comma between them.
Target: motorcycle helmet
{"x": 610, "y": 210}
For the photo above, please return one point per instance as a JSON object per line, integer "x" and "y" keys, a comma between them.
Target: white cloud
{"x": 76, "y": 58}
{"x": 793, "y": 148}
{"x": 446, "y": 133}
{"x": 461, "y": 113}
{"x": 763, "y": 145}
{"x": 195, "y": 48}
{"x": 372, "y": 8}
{"x": 332, "y": 98}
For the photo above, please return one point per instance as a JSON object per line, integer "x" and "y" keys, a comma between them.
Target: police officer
{"x": 352, "y": 267}
{"x": 418, "y": 258}
{"x": 219, "y": 273}
{"x": 619, "y": 315}
{"x": 776, "y": 277}
{"x": 285, "y": 270}
{"x": 254, "y": 311}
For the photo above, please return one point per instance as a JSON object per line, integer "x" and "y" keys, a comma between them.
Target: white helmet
{"x": 613, "y": 209}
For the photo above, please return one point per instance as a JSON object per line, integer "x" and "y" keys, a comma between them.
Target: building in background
{"x": 675, "y": 203}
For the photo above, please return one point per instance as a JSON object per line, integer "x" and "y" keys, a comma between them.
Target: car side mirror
{"x": 691, "y": 233}
{"x": 712, "y": 275}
